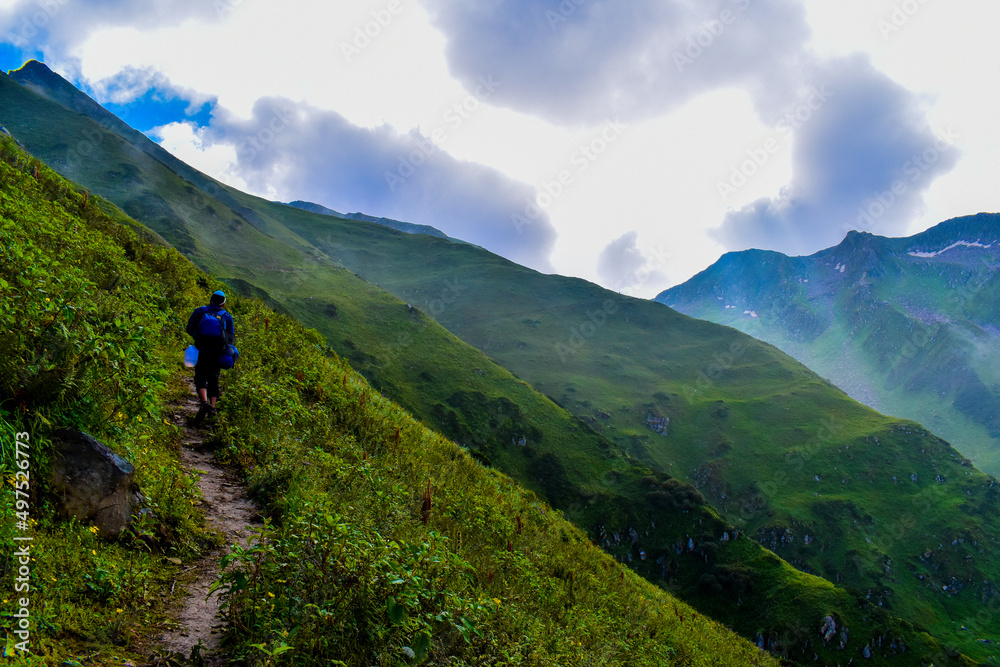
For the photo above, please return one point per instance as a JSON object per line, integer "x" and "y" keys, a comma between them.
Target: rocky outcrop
{"x": 93, "y": 483}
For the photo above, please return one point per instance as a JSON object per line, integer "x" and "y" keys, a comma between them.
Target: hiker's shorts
{"x": 206, "y": 373}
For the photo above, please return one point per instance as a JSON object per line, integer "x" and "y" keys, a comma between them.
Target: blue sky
{"x": 630, "y": 144}
{"x": 155, "y": 109}
{"x": 144, "y": 110}
{"x": 12, "y": 57}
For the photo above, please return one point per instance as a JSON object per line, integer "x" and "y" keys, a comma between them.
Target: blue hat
{"x": 218, "y": 297}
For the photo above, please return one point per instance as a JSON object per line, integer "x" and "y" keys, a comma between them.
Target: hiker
{"x": 213, "y": 330}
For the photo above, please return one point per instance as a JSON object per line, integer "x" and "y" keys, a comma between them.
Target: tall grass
{"x": 390, "y": 545}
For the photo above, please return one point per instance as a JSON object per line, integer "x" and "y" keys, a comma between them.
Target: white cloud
{"x": 864, "y": 156}
{"x": 583, "y": 62}
{"x": 624, "y": 267}
{"x": 186, "y": 142}
{"x": 937, "y": 50}
{"x": 661, "y": 180}
{"x": 297, "y": 152}
{"x": 399, "y": 78}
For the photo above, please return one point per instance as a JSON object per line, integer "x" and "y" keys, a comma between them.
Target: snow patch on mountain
{"x": 957, "y": 244}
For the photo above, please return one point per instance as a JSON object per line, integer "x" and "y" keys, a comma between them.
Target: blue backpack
{"x": 211, "y": 328}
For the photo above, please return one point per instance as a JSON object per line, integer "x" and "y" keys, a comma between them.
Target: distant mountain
{"x": 909, "y": 326}
{"x": 408, "y": 227}
{"x": 316, "y": 208}
{"x": 646, "y": 402}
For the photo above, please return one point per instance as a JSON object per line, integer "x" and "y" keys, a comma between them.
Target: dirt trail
{"x": 226, "y": 509}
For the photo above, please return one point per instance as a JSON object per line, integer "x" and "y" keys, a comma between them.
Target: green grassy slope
{"x": 749, "y": 426}
{"x": 89, "y": 314}
{"x": 93, "y": 318}
{"x": 612, "y": 360}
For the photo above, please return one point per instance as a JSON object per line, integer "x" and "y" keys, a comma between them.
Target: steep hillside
{"x": 680, "y": 397}
{"x": 831, "y": 486}
{"x": 908, "y": 326}
{"x": 398, "y": 225}
{"x": 368, "y": 573}
{"x": 89, "y": 315}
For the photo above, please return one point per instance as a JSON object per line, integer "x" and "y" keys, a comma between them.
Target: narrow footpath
{"x": 228, "y": 510}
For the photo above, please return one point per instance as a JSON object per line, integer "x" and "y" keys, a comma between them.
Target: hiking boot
{"x": 204, "y": 411}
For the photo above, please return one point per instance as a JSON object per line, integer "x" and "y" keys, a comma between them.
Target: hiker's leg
{"x": 201, "y": 375}
{"x": 206, "y": 381}
{"x": 213, "y": 390}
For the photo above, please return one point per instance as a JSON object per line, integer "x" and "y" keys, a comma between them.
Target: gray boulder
{"x": 93, "y": 483}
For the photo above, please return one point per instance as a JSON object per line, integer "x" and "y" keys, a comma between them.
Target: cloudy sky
{"x": 630, "y": 143}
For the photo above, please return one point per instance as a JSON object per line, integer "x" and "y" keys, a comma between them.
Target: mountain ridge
{"x": 408, "y": 227}
{"x": 869, "y": 312}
